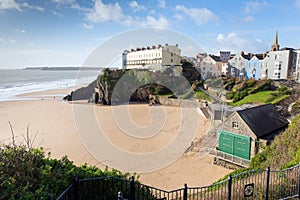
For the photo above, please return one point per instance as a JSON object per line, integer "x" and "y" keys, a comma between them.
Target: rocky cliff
{"x": 124, "y": 86}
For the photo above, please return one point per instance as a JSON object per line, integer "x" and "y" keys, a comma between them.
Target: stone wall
{"x": 242, "y": 129}
{"x": 163, "y": 100}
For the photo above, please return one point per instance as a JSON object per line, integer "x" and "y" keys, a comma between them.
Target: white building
{"x": 237, "y": 65}
{"x": 156, "y": 57}
{"x": 210, "y": 66}
{"x": 277, "y": 65}
{"x": 297, "y": 64}
{"x": 225, "y": 69}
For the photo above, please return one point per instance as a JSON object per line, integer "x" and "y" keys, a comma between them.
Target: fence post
{"x": 298, "y": 185}
{"x": 185, "y": 192}
{"x": 229, "y": 187}
{"x": 75, "y": 189}
{"x": 267, "y": 183}
{"x": 132, "y": 188}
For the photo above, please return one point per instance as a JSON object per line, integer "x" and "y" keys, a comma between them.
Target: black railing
{"x": 254, "y": 184}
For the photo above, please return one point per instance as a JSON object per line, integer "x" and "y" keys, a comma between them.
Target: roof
{"x": 216, "y": 58}
{"x": 263, "y": 120}
{"x": 246, "y": 56}
{"x": 260, "y": 56}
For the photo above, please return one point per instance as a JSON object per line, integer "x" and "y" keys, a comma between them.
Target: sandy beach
{"x": 57, "y": 130}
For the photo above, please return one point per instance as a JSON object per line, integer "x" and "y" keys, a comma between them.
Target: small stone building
{"x": 244, "y": 132}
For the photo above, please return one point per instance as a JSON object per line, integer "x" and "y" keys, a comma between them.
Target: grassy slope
{"x": 264, "y": 97}
{"x": 201, "y": 95}
{"x": 283, "y": 152}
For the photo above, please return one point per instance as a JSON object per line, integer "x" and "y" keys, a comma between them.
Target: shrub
{"x": 230, "y": 95}
{"x": 282, "y": 89}
{"x": 251, "y": 83}
{"x": 28, "y": 173}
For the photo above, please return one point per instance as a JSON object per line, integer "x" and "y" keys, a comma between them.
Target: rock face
{"x": 135, "y": 85}
{"x": 123, "y": 86}
{"x": 105, "y": 84}
{"x": 82, "y": 93}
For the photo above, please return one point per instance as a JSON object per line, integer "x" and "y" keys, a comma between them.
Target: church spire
{"x": 275, "y": 46}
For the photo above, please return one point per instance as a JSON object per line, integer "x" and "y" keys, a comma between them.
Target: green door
{"x": 235, "y": 144}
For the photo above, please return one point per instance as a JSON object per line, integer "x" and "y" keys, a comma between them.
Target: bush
{"x": 230, "y": 95}
{"x": 282, "y": 89}
{"x": 28, "y": 173}
{"x": 251, "y": 83}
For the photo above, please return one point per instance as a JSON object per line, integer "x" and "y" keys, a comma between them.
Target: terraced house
{"x": 156, "y": 57}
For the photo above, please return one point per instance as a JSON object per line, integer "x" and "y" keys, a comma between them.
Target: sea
{"x": 14, "y": 82}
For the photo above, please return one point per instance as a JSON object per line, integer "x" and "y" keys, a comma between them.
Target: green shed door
{"x": 235, "y": 144}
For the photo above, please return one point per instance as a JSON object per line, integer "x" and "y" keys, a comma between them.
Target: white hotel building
{"x": 155, "y": 57}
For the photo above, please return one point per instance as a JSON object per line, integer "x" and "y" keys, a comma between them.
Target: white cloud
{"x": 136, "y": 7}
{"x": 105, "y": 12}
{"x": 220, "y": 37}
{"x": 12, "y": 4}
{"x": 87, "y": 26}
{"x": 1, "y": 40}
{"x": 254, "y": 6}
{"x": 20, "y": 30}
{"x": 151, "y": 21}
{"x": 57, "y": 14}
{"x": 178, "y": 17}
{"x": 199, "y": 15}
{"x": 38, "y": 8}
{"x": 237, "y": 43}
{"x": 64, "y": 1}
{"x": 76, "y": 6}
{"x": 12, "y": 41}
{"x": 9, "y": 4}
{"x": 113, "y": 12}
{"x": 248, "y": 19}
{"x": 161, "y": 3}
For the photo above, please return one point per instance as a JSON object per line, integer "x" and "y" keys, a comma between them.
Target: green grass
{"x": 264, "y": 97}
{"x": 201, "y": 95}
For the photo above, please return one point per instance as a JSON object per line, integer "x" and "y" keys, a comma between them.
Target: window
{"x": 171, "y": 60}
{"x": 235, "y": 125}
{"x": 171, "y": 54}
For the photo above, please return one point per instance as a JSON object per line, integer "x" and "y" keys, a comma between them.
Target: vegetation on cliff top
{"x": 283, "y": 152}
{"x": 254, "y": 91}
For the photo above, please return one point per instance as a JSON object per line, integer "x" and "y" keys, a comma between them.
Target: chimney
{"x": 265, "y": 55}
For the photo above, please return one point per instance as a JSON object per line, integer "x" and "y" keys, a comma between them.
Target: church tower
{"x": 275, "y": 46}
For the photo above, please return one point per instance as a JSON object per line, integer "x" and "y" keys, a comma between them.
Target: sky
{"x": 66, "y": 32}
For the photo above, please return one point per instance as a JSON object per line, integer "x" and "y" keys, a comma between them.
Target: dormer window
{"x": 235, "y": 125}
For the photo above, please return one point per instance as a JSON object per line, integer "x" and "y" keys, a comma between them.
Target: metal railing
{"x": 229, "y": 157}
{"x": 253, "y": 184}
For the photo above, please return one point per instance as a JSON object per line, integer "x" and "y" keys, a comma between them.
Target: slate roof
{"x": 260, "y": 56}
{"x": 263, "y": 120}
{"x": 216, "y": 58}
{"x": 246, "y": 56}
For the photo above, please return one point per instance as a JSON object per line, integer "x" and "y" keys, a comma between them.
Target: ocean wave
{"x": 10, "y": 91}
